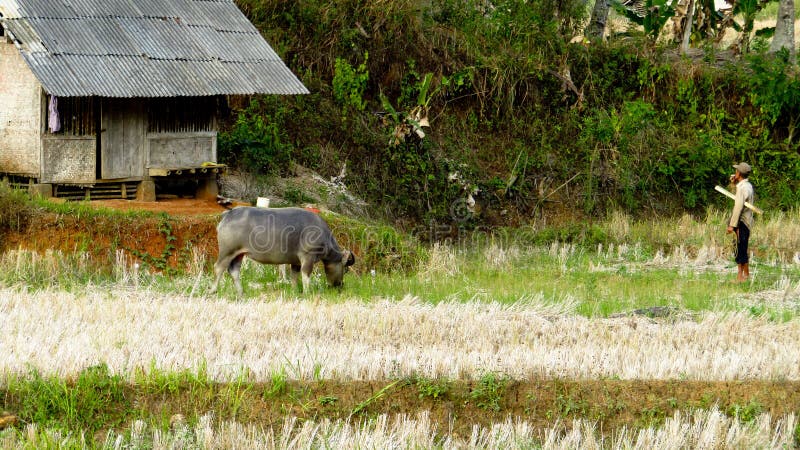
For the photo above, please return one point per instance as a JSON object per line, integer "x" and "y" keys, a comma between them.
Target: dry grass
{"x": 443, "y": 261}
{"x": 775, "y": 237}
{"x": 498, "y": 257}
{"x": 63, "y": 333}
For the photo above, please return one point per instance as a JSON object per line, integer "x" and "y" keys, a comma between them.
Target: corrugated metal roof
{"x": 145, "y": 48}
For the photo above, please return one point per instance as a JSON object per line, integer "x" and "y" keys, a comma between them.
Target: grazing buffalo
{"x": 293, "y": 236}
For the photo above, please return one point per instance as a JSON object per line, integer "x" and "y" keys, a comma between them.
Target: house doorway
{"x": 122, "y": 138}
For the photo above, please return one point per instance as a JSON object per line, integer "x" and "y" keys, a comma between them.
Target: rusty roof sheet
{"x": 145, "y": 48}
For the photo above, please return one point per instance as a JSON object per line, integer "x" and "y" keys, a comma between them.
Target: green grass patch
{"x": 433, "y": 388}
{"x": 94, "y": 400}
{"x": 378, "y": 246}
{"x": 489, "y": 391}
{"x": 67, "y": 271}
{"x": 85, "y": 209}
{"x": 583, "y": 282}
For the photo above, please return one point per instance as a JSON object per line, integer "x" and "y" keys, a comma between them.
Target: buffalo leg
{"x": 220, "y": 266}
{"x": 235, "y": 269}
{"x": 282, "y": 273}
{"x": 295, "y": 272}
{"x": 306, "y": 269}
{"x": 219, "y": 270}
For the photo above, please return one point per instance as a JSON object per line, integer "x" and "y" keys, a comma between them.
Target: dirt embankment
{"x": 175, "y": 234}
{"x": 186, "y": 228}
{"x": 460, "y": 405}
{"x": 457, "y": 405}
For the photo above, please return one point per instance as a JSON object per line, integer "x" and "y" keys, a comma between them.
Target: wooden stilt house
{"x": 108, "y": 97}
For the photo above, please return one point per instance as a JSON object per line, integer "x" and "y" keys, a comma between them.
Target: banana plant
{"x": 705, "y": 21}
{"x": 417, "y": 117}
{"x": 748, "y": 9}
{"x": 650, "y": 14}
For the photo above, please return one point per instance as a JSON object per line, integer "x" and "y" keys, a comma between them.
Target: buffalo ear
{"x": 349, "y": 258}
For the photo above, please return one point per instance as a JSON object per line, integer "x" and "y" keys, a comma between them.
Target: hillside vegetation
{"x": 525, "y": 117}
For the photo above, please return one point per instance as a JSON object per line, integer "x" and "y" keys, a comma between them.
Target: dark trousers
{"x": 742, "y": 240}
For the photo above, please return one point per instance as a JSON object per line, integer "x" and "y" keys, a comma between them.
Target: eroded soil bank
{"x": 613, "y": 402}
{"x": 162, "y": 234}
{"x": 453, "y": 405}
{"x": 172, "y": 234}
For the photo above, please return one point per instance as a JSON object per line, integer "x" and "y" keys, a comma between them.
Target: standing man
{"x": 742, "y": 218}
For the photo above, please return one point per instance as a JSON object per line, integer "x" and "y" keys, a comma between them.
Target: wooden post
{"x": 208, "y": 189}
{"x": 146, "y": 191}
{"x": 41, "y": 190}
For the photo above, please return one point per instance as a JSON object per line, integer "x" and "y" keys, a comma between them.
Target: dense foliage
{"x": 523, "y": 115}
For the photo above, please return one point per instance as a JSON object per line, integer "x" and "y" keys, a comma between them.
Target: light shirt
{"x": 744, "y": 193}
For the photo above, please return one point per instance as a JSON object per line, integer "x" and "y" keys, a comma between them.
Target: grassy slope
{"x": 650, "y": 135}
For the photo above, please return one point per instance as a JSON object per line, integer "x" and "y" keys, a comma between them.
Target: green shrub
{"x": 350, "y": 83}
{"x": 746, "y": 413}
{"x": 15, "y": 209}
{"x": 489, "y": 391}
{"x": 257, "y": 141}
{"x": 775, "y": 92}
{"x": 638, "y": 129}
{"x": 434, "y": 388}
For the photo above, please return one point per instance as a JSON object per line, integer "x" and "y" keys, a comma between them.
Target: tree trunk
{"x": 597, "y": 24}
{"x": 687, "y": 28}
{"x": 784, "y": 28}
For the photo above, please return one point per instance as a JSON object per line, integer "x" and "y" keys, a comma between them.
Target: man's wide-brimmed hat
{"x": 743, "y": 168}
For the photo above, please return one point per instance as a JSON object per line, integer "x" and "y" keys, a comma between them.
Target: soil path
{"x": 177, "y": 207}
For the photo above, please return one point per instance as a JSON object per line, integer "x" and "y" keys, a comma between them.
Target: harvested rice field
{"x": 504, "y": 343}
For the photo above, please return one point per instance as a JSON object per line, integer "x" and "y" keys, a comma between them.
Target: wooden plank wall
{"x": 182, "y": 132}
{"x": 122, "y": 140}
{"x": 175, "y": 150}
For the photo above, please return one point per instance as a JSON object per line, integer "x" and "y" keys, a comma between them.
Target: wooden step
{"x": 105, "y": 191}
